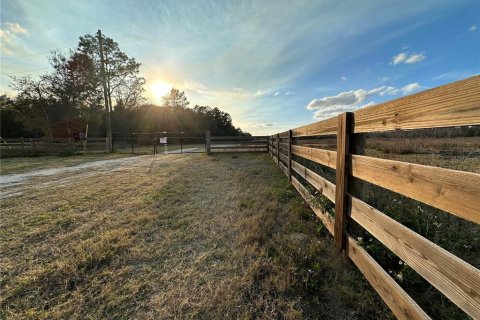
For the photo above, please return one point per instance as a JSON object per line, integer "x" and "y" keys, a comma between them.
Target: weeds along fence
{"x": 41, "y": 146}
{"x": 455, "y": 192}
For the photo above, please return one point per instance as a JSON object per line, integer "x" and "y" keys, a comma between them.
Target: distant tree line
{"x": 64, "y": 101}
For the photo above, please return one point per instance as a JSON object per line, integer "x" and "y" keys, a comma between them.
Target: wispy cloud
{"x": 472, "y": 28}
{"x": 405, "y": 57}
{"x": 343, "y": 78}
{"x": 277, "y": 93}
{"x": 454, "y": 75}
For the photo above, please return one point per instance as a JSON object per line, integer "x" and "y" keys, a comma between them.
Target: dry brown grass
{"x": 186, "y": 236}
{"x": 460, "y": 153}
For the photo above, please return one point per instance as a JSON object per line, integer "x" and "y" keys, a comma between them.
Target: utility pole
{"x": 105, "y": 92}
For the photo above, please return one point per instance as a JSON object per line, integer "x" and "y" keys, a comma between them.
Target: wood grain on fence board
{"x": 321, "y": 184}
{"x": 326, "y": 157}
{"x": 324, "y": 127}
{"x": 451, "y": 190}
{"x": 282, "y": 166}
{"x": 454, "y": 104}
{"x": 401, "y": 304}
{"x": 320, "y": 212}
{"x": 455, "y": 278}
{"x": 283, "y": 157}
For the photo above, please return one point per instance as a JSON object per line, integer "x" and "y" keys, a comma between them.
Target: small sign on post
{"x": 163, "y": 140}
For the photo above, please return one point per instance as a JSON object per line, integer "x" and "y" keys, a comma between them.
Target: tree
{"x": 74, "y": 85}
{"x": 11, "y": 124}
{"x": 35, "y": 103}
{"x": 124, "y": 82}
{"x": 175, "y": 99}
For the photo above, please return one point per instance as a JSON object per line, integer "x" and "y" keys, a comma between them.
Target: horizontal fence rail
{"x": 25, "y": 146}
{"x": 236, "y": 143}
{"x": 453, "y": 191}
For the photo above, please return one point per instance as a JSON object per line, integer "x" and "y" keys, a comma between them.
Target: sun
{"x": 160, "y": 89}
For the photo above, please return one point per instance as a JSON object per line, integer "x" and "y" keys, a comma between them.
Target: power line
{"x": 37, "y": 54}
{"x": 22, "y": 72}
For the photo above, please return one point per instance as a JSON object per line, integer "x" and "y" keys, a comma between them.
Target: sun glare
{"x": 160, "y": 89}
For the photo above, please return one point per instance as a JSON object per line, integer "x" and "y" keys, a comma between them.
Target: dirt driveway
{"x": 20, "y": 183}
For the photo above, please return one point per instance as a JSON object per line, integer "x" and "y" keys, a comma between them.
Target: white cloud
{"x": 389, "y": 91}
{"x": 404, "y": 57}
{"x": 411, "y": 88}
{"x": 343, "y": 78}
{"x": 276, "y": 93}
{"x": 260, "y": 93}
{"x": 354, "y": 99}
{"x": 9, "y": 38}
{"x": 383, "y": 79}
{"x": 472, "y": 28}
{"x": 237, "y": 89}
{"x": 264, "y": 125}
{"x": 399, "y": 58}
{"x": 343, "y": 99}
{"x": 288, "y": 93}
{"x": 415, "y": 57}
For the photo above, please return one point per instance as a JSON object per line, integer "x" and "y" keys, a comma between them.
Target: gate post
{"x": 343, "y": 139}
{"x": 207, "y": 142}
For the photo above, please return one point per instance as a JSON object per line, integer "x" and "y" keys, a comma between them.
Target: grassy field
{"x": 178, "y": 236}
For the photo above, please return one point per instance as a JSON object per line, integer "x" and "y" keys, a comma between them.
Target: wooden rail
{"x": 237, "y": 143}
{"x": 456, "y": 192}
{"x": 24, "y": 146}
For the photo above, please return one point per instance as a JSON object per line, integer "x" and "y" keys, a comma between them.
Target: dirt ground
{"x": 170, "y": 237}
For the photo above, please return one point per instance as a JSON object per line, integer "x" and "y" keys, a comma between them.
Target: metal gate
{"x": 179, "y": 142}
{"x": 166, "y": 142}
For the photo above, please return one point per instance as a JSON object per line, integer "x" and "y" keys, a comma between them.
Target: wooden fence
{"x": 236, "y": 143}
{"x": 456, "y": 192}
{"x": 28, "y": 146}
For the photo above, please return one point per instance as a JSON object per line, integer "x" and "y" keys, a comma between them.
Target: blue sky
{"x": 273, "y": 65}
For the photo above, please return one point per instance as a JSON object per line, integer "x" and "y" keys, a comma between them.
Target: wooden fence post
{"x": 208, "y": 142}
{"x": 356, "y": 187}
{"x": 278, "y": 148}
{"x": 343, "y": 141}
{"x": 270, "y": 144}
{"x": 290, "y": 155}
